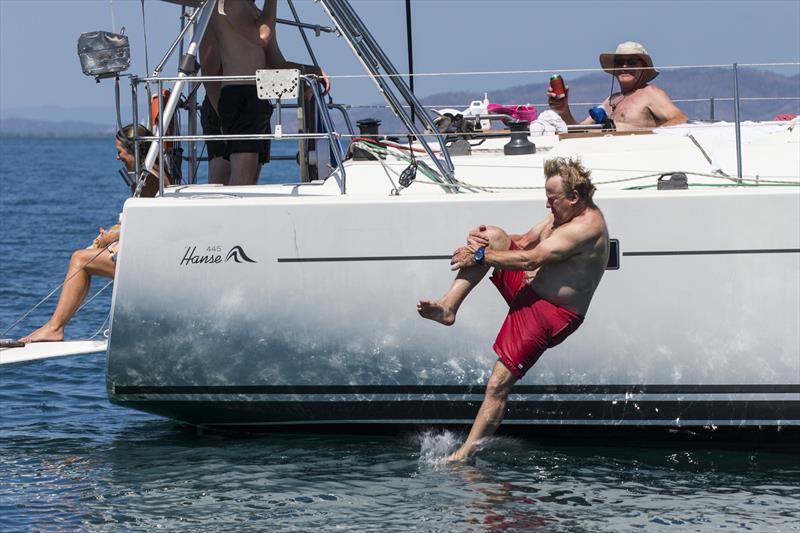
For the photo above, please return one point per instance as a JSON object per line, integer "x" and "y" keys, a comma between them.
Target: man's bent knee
{"x": 498, "y": 239}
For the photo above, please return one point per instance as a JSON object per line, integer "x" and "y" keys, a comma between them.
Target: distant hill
{"x": 680, "y": 85}
{"x": 22, "y": 127}
{"x": 690, "y": 84}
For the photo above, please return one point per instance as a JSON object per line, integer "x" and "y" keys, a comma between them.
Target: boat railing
{"x": 711, "y": 100}
{"x": 736, "y": 99}
{"x": 321, "y": 106}
{"x": 392, "y": 86}
{"x": 198, "y": 21}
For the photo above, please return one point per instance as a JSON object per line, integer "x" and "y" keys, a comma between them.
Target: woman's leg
{"x": 83, "y": 265}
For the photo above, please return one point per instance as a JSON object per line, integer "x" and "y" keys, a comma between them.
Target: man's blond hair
{"x": 574, "y": 175}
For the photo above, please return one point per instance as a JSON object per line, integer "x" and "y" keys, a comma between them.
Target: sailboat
{"x": 294, "y": 304}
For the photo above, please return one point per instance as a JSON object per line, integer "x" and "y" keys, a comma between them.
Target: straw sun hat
{"x": 629, "y": 49}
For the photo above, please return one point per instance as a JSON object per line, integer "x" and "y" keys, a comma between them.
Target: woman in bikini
{"x": 100, "y": 258}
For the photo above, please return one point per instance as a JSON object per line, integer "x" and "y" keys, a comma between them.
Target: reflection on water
{"x": 70, "y": 460}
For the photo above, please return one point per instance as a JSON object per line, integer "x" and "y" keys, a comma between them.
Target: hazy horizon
{"x": 449, "y": 36}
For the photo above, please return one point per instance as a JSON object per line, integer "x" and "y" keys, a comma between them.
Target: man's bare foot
{"x": 434, "y": 310}
{"x": 458, "y": 456}
{"x": 45, "y": 333}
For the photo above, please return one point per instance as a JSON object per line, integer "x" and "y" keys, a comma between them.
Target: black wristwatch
{"x": 479, "y": 254}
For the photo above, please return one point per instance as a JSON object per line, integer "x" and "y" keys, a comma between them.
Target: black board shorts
{"x": 209, "y": 121}
{"x": 241, "y": 112}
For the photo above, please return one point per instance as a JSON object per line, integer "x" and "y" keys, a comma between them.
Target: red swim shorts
{"x": 532, "y": 325}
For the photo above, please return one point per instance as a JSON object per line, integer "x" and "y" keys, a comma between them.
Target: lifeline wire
{"x": 545, "y": 104}
{"x": 95, "y": 295}
{"x": 548, "y": 71}
{"x": 103, "y": 325}
{"x": 43, "y": 300}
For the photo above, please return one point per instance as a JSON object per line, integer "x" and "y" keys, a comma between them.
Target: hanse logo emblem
{"x": 238, "y": 255}
{"x": 214, "y": 257}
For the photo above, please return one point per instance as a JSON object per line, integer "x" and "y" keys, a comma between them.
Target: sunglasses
{"x": 628, "y": 61}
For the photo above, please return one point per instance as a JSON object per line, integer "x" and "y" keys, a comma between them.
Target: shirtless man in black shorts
{"x": 245, "y": 39}
{"x": 219, "y": 167}
{"x": 241, "y": 33}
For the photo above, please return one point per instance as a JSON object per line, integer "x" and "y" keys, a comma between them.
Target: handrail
{"x": 304, "y": 25}
{"x": 336, "y": 146}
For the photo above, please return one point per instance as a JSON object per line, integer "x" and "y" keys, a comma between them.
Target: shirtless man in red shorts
{"x": 547, "y": 275}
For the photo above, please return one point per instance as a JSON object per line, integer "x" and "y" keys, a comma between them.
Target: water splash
{"x": 436, "y": 446}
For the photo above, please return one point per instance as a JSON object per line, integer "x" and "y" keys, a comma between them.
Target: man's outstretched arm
{"x": 275, "y": 59}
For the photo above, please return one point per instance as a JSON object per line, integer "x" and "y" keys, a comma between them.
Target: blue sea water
{"x": 69, "y": 460}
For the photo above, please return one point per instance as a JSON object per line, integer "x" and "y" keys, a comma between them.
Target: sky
{"x": 40, "y": 73}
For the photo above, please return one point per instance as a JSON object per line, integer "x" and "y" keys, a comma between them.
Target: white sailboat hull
{"x": 697, "y": 327}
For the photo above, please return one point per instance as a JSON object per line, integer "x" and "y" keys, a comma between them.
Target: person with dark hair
{"x": 637, "y": 105}
{"x": 100, "y": 259}
{"x": 124, "y": 143}
{"x": 547, "y": 276}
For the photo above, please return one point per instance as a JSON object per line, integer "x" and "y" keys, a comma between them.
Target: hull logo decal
{"x": 238, "y": 255}
{"x": 212, "y": 256}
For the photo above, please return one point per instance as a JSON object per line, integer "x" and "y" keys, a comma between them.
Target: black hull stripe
{"x": 714, "y": 252}
{"x": 415, "y": 411}
{"x": 441, "y": 257}
{"x": 457, "y": 389}
{"x": 375, "y": 258}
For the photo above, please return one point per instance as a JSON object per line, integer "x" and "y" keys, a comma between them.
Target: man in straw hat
{"x": 637, "y": 105}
